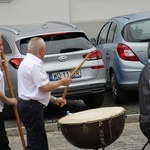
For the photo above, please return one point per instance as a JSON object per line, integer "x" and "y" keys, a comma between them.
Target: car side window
{"x": 103, "y": 34}
{"x": 6, "y": 46}
{"x": 112, "y": 33}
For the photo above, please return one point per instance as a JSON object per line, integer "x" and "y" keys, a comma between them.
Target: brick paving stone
{"x": 131, "y": 139}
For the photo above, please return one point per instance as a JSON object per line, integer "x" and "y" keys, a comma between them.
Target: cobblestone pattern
{"x": 131, "y": 139}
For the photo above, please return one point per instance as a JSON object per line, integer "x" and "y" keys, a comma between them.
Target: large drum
{"x": 94, "y": 128}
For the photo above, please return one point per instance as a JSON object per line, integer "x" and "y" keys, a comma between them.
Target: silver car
{"x": 123, "y": 41}
{"x": 67, "y": 47}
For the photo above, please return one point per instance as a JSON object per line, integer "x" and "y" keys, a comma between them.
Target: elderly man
{"x": 34, "y": 89}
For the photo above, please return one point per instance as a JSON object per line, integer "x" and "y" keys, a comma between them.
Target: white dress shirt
{"x": 2, "y": 89}
{"x": 31, "y": 76}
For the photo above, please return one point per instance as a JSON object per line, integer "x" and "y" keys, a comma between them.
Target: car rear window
{"x": 137, "y": 31}
{"x": 60, "y": 43}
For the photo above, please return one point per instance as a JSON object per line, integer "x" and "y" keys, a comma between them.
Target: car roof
{"x": 124, "y": 19}
{"x": 38, "y": 28}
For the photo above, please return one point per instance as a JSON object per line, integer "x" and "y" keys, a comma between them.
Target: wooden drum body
{"x": 95, "y": 128}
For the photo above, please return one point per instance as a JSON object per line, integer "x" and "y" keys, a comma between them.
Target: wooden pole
{"x": 73, "y": 72}
{"x": 14, "y": 107}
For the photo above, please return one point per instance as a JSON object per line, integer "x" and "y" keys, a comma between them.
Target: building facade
{"x": 89, "y": 15}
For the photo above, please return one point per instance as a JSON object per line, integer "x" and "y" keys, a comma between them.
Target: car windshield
{"x": 137, "y": 31}
{"x": 60, "y": 43}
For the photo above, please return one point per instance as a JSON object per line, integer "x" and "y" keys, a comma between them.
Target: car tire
{"x": 94, "y": 100}
{"x": 119, "y": 96}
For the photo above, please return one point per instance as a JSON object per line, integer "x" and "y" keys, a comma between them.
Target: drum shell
{"x": 88, "y": 135}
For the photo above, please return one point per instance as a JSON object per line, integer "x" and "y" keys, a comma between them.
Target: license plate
{"x": 59, "y": 75}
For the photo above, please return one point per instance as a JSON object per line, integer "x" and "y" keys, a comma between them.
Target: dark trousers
{"x": 32, "y": 116}
{"x": 145, "y": 128}
{"x": 4, "y": 143}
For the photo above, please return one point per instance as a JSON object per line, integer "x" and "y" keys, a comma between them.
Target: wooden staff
{"x": 72, "y": 74}
{"x": 14, "y": 107}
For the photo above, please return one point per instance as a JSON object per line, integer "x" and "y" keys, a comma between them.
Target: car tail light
{"x": 126, "y": 53}
{"x": 94, "y": 55}
{"x": 98, "y": 67}
{"x": 15, "y": 62}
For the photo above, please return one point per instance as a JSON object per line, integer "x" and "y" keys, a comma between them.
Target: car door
{"x": 106, "y": 43}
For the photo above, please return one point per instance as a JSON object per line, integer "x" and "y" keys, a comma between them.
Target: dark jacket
{"x": 144, "y": 94}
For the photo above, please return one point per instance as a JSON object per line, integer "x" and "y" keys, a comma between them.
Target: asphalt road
{"x": 54, "y": 112}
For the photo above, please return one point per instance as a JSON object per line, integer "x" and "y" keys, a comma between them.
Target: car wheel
{"x": 94, "y": 100}
{"x": 119, "y": 95}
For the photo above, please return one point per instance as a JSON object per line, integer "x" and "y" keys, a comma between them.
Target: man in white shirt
{"x": 4, "y": 143}
{"x": 34, "y": 89}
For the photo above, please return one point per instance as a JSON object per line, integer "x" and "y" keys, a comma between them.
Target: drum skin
{"x": 94, "y": 135}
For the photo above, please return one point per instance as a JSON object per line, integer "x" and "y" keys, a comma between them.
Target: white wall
{"x": 85, "y": 10}
{"x": 89, "y": 15}
{"x": 33, "y": 11}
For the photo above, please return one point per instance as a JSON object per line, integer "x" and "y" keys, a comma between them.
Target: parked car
{"x": 123, "y": 41}
{"x": 66, "y": 48}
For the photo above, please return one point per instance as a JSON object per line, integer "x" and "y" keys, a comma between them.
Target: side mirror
{"x": 93, "y": 41}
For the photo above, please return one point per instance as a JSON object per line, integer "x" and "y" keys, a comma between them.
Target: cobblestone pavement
{"x": 131, "y": 139}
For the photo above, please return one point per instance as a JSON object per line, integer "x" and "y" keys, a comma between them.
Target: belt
{"x": 33, "y": 101}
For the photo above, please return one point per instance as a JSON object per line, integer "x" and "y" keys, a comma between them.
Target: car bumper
{"x": 82, "y": 90}
{"x": 128, "y": 80}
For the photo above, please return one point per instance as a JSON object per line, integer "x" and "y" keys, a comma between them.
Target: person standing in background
{"x": 4, "y": 142}
{"x": 34, "y": 89}
{"x": 144, "y": 97}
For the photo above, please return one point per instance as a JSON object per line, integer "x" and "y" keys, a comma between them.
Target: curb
{"x": 132, "y": 118}
{"x": 53, "y": 126}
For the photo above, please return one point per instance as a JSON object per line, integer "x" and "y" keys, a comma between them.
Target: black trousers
{"x": 145, "y": 128}
{"x": 32, "y": 116}
{"x": 4, "y": 143}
